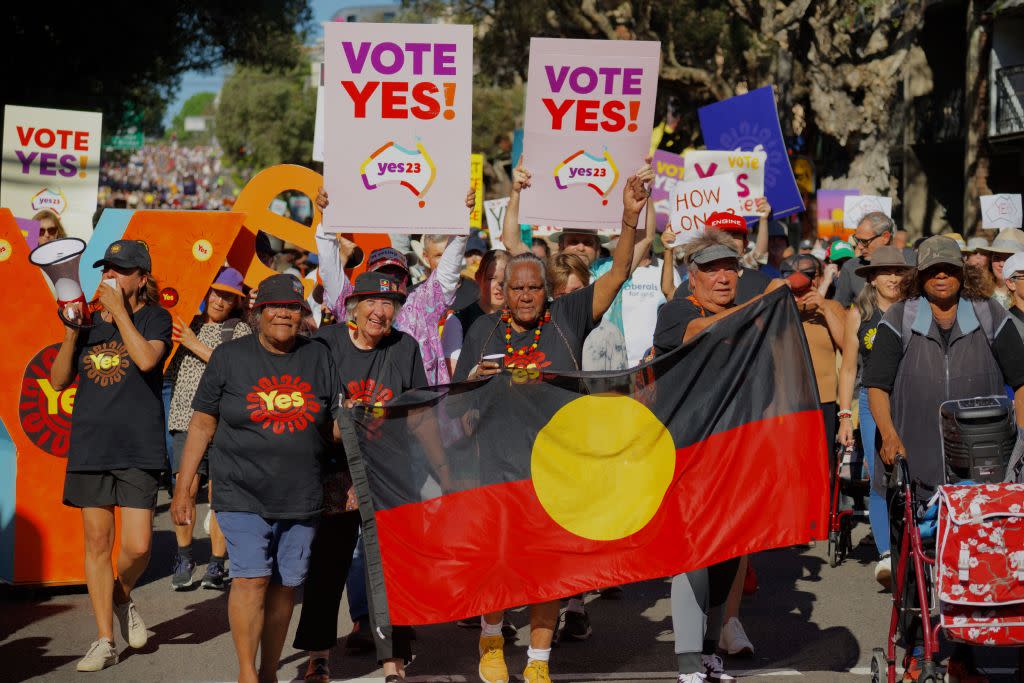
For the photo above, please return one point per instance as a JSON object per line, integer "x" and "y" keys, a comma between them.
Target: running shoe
{"x": 714, "y": 669}
{"x": 182, "y": 576}
{"x": 492, "y": 667}
{"x": 734, "y": 640}
{"x": 692, "y": 678}
{"x": 133, "y": 630}
{"x": 576, "y": 626}
{"x": 536, "y": 672}
{"x": 883, "y": 570}
{"x": 216, "y": 576}
{"x": 318, "y": 671}
{"x": 100, "y": 655}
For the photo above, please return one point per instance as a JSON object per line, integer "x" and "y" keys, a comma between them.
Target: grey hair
{"x": 528, "y": 257}
{"x": 879, "y": 223}
{"x": 350, "y": 309}
{"x": 435, "y": 239}
{"x": 710, "y": 238}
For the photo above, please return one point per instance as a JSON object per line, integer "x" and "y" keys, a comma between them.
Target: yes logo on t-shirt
{"x": 106, "y": 364}
{"x": 369, "y": 391}
{"x": 281, "y": 403}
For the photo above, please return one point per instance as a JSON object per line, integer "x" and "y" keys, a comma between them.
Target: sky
{"x": 198, "y": 81}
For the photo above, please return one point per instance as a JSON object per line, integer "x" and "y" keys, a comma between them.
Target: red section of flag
{"x": 759, "y": 486}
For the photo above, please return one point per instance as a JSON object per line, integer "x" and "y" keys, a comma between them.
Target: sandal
{"x": 318, "y": 671}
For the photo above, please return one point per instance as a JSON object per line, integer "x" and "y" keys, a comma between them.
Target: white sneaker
{"x": 101, "y": 654}
{"x": 133, "y": 630}
{"x": 692, "y": 678}
{"x": 883, "y": 571}
{"x": 715, "y": 669}
{"x": 734, "y": 640}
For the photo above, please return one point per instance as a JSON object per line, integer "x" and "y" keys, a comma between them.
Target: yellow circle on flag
{"x": 601, "y": 466}
{"x": 5, "y": 250}
{"x": 202, "y": 250}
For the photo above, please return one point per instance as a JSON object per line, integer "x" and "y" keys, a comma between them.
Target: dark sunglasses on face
{"x": 864, "y": 242}
{"x": 52, "y": 231}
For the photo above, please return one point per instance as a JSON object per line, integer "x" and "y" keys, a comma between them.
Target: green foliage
{"x": 266, "y": 117}
{"x": 496, "y": 110}
{"x": 200, "y": 104}
{"x": 120, "y": 54}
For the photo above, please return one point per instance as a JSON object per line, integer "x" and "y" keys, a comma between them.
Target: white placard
{"x": 746, "y": 167}
{"x": 694, "y": 200}
{"x": 318, "y": 126}
{"x": 494, "y": 212}
{"x": 856, "y": 207}
{"x": 1000, "y": 211}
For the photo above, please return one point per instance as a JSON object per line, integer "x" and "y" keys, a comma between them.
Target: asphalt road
{"x": 809, "y": 623}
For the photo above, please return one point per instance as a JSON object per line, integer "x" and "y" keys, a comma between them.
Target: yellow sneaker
{"x": 492, "y": 660}
{"x": 536, "y": 672}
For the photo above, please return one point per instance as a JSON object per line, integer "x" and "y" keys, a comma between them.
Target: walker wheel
{"x": 834, "y": 549}
{"x": 879, "y": 666}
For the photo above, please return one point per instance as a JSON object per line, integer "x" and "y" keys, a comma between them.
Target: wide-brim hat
{"x": 884, "y": 257}
{"x": 379, "y": 286}
{"x": 974, "y": 244}
{"x": 1008, "y": 241}
{"x": 556, "y": 237}
{"x": 281, "y": 289}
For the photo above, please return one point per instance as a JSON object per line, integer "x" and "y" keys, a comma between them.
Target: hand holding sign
{"x": 695, "y": 200}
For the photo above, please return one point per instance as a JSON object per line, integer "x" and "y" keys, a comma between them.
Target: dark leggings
{"x": 329, "y": 562}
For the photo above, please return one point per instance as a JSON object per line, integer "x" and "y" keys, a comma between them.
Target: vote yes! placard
{"x": 589, "y": 113}
{"x": 398, "y": 105}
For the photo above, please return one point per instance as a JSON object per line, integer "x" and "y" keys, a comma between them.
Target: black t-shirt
{"x": 375, "y": 375}
{"x": 887, "y": 352}
{"x": 275, "y": 416}
{"x": 750, "y": 283}
{"x": 118, "y": 418}
{"x": 561, "y": 339}
{"x": 469, "y": 315}
{"x": 466, "y": 292}
{"x": 673, "y": 318}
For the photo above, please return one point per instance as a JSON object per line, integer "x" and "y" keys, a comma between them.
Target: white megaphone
{"x": 59, "y": 262}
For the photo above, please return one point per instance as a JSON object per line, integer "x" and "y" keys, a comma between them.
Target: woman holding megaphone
{"x": 117, "y": 437}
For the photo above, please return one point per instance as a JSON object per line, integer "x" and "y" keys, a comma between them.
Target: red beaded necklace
{"x": 506, "y": 316}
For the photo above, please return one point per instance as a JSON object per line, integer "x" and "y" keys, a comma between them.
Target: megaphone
{"x": 59, "y": 262}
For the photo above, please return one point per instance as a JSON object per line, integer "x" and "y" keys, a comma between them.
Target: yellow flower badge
{"x": 869, "y": 338}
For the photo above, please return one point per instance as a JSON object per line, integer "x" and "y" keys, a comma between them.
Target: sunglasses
{"x": 52, "y": 231}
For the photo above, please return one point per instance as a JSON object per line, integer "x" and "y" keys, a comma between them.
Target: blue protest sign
{"x": 748, "y": 123}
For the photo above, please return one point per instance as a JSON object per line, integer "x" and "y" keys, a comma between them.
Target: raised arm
{"x": 511, "y": 236}
{"x": 643, "y": 244}
{"x": 449, "y": 266}
{"x": 634, "y": 195}
{"x": 334, "y": 252}
{"x": 764, "y": 210}
{"x": 668, "y": 265}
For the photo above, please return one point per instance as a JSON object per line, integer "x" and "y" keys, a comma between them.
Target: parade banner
{"x": 476, "y": 181}
{"x": 748, "y": 168}
{"x": 398, "y": 107}
{"x": 750, "y": 123}
{"x": 51, "y": 161}
{"x": 830, "y": 212}
{"x": 561, "y": 483}
{"x": 855, "y": 207}
{"x": 589, "y": 114}
{"x": 1000, "y": 211}
{"x": 694, "y": 200}
{"x": 668, "y": 170}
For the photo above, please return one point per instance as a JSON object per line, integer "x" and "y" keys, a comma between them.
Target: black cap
{"x": 127, "y": 254}
{"x": 280, "y": 290}
{"x": 379, "y": 285}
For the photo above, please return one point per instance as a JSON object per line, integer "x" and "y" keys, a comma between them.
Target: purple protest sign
{"x": 750, "y": 122}
{"x": 30, "y": 229}
{"x": 398, "y": 113}
{"x": 668, "y": 170}
{"x": 589, "y": 114}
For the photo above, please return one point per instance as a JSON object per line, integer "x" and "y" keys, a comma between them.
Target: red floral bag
{"x": 980, "y": 563}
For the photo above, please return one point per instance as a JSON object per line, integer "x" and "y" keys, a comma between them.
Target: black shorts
{"x": 127, "y": 488}
{"x": 178, "y": 439}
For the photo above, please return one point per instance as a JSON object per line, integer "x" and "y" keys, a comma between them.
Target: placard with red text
{"x": 589, "y": 114}
{"x": 398, "y": 103}
{"x": 51, "y": 160}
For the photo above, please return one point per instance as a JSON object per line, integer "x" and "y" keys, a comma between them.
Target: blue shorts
{"x": 258, "y": 547}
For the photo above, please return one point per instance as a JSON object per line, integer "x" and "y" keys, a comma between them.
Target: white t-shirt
{"x": 641, "y": 299}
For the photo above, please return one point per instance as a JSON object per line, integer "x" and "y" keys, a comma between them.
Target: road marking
{"x": 612, "y": 676}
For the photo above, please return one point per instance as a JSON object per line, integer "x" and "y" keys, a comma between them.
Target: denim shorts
{"x": 258, "y": 547}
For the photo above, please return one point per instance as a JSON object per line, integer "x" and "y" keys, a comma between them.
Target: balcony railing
{"x": 1009, "y": 118}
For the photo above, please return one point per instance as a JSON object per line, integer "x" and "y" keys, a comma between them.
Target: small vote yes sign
{"x": 398, "y": 106}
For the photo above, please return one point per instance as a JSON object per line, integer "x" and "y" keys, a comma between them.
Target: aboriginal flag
{"x": 565, "y": 482}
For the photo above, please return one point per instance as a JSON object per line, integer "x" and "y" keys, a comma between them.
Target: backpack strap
{"x": 990, "y": 323}
{"x": 907, "y": 323}
{"x": 227, "y": 330}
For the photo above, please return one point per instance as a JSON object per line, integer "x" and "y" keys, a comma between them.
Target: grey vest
{"x": 930, "y": 373}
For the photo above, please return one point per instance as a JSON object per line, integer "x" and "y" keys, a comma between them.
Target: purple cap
{"x": 228, "y": 280}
